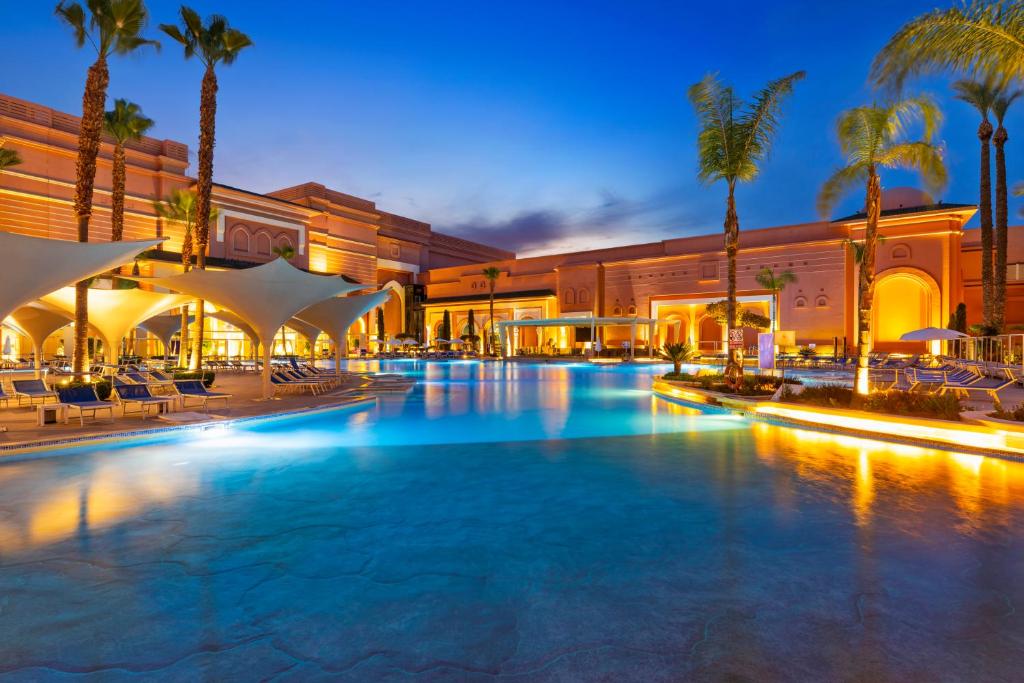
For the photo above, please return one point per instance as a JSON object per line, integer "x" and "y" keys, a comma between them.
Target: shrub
{"x": 753, "y": 385}
{"x": 204, "y": 375}
{"x": 832, "y": 395}
{"x": 102, "y": 387}
{"x": 1015, "y": 414}
{"x": 896, "y": 402}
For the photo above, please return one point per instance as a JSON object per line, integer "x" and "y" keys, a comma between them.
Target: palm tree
{"x": 981, "y": 96}
{"x": 734, "y": 139}
{"x": 492, "y": 274}
{"x": 8, "y": 157}
{"x": 677, "y": 354}
{"x": 446, "y": 326}
{"x": 999, "y": 109}
{"x": 180, "y": 207}
{"x": 213, "y": 44}
{"x": 123, "y": 123}
{"x": 775, "y": 284}
{"x": 872, "y": 137}
{"x": 112, "y": 27}
{"x": 982, "y": 37}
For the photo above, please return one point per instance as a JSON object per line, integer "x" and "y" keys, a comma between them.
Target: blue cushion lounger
{"x": 32, "y": 389}
{"x": 195, "y": 389}
{"x": 84, "y": 400}
{"x": 988, "y": 385}
{"x": 139, "y": 395}
{"x": 281, "y": 381}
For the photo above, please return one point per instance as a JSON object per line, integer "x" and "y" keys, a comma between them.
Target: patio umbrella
{"x": 932, "y": 334}
{"x": 410, "y": 342}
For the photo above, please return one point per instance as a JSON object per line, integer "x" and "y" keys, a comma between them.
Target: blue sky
{"x": 532, "y": 125}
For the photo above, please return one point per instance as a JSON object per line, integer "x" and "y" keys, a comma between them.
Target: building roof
{"x": 904, "y": 210}
{"x": 524, "y": 294}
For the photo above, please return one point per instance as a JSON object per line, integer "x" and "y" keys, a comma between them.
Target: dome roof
{"x": 905, "y": 198}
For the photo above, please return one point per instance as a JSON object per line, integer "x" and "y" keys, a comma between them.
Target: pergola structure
{"x": 593, "y": 323}
{"x": 165, "y": 326}
{"x": 35, "y": 266}
{"x": 335, "y": 315}
{"x": 38, "y": 321}
{"x": 264, "y": 296}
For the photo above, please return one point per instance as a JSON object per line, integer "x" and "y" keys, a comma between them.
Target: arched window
{"x": 617, "y": 311}
{"x": 263, "y": 244}
{"x": 821, "y": 302}
{"x": 570, "y": 296}
{"x": 395, "y": 251}
{"x": 632, "y": 310}
{"x": 240, "y": 240}
{"x": 283, "y": 242}
{"x": 583, "y": 297}
{"x": 800, "y": 302}
{"x": 900, "y": 252}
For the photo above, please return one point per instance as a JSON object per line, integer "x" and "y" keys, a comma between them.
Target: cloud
{"x": 610, "y": 221}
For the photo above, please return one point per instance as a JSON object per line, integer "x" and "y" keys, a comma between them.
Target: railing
{"x": 1007, "y": 349}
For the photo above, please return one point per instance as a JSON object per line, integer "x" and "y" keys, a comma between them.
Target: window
{"x": 631, "y": 310}
{"x": 583, "y": 297}
{"x": 709, "y": 270}
{"x": 617, "y": 311}
{"x": 240, "y": 240}
{"x": 263, "y": 244}
{"x": 395, "y": 251}
{"x": 821, "y": 302}
{"x": 800, "y": 302}
{"x": 570, "y": 296}
{"x": 284, "y": 243}
{"x": 900, "y": 252}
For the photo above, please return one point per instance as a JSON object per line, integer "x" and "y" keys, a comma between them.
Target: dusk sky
{"x": 535, "y": 126}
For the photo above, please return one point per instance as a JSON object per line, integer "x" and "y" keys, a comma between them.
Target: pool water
{"x": 520, "y": 522}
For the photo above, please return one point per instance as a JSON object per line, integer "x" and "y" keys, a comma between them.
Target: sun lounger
{"x": 33, "y": 390}
{"x": 283, "y": 382}
{"x": 161, "y": 377}
{"x": 195, "y": 389}
{"x": 84, "y": 400}
{"x": 5, "y": 397}
{"x": 140, "y": 396}
{"x": 964, "y": 386}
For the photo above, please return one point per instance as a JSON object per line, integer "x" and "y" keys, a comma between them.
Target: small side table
{"x": 50, "y": 413}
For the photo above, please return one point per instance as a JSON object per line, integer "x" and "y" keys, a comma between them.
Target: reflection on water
{"x": 549, "y": 523}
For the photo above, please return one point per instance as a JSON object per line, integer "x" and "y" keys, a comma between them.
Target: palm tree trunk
{"x": 999, "y": 281}
{"x": 117, "y": 194}
{"x": 490, "y": 339}
{"x": 204, "y": 182}
{"x": 183, "y": 339}
{"x": 985, "y": 214}
{"x": 734, "y": 366}
{"x": 93, "y": 101}
{"x": 866, "y": 282}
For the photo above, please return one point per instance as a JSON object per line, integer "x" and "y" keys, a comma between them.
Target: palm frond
{"x": 982, "y": 37}
{"x": 925, "y": 158}
{"x": 714, "y": 104}
{"x": 1003, "y": 101}
{"x": 759, "y": 125}
{"x": 838, "y": 184}
{"x": 979, "y": 94}
{"x": 73, "y": 15}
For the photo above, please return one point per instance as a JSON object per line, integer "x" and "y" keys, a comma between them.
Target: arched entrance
{"x": 905, "y": 299}
{"x": 710, "y": 335}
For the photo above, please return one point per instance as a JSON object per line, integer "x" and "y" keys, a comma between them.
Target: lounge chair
{"x": 196, "y": 390}
{"x": 140, "y": 395}
{"x": 84, "y": 400}
{"x": 161, "y": 377}
{"x": 139, "y": 378}
{"x": 4, "y": 396}
{"x": 32, "y": 389}
{"x": 282, "y": 381}
{"x": 986, "y": 385}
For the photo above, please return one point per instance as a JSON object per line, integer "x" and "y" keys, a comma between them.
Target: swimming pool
{"x": 512, "y": 521}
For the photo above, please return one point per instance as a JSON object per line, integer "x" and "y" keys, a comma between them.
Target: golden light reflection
{"x": 876, "y": 473}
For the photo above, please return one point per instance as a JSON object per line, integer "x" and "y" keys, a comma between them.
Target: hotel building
{"x": 927, "y": 263}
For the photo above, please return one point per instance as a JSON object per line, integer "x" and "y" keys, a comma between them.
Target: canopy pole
{"x": 632, "y": 340}
{"x": 268, "y": 350}
{"x": 38, "y": 360}
{"x": 337, "y": 354}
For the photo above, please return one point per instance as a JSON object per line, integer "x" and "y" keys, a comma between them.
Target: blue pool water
{"x": 518, "y": 522}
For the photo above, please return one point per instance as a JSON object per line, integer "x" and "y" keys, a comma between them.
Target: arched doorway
{"x": 905, "y": 299}
{"x": 710, "y": 335}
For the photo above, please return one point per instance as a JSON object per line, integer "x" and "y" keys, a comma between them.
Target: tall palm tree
{"x": 775, "y": 284}
{"x": 492, "y": 274}
{"x": 214, "y": 43}
{"x": 111, "y": 27}
{"x": 123, "y": 123}
{"x": 999, "y": 108}
{"x": 980, "y": 37}
{"x": 872, "y": 137}
{"x": 982, "y": 95}
{"x": 734, "y": 138}
{"x": 8, "y": 157}
{"x": 180, "y": 207}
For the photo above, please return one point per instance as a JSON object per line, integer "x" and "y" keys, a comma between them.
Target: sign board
{"x": 766, "y": 351}
{"x": 736, "y": 339}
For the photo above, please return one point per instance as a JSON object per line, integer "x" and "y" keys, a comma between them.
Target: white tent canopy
{"x": 265, "y": 296}
{"x": 114, "y": 312}
{"x": 310, "y": 332}
{"x": 165, "y": 327}
{"x": 34, "y": 266}
{"x": 335, "y": 315}
{"x": 38, "y": 322}
{"x": 232, "y": 319}
{"x": 932, "y": 334}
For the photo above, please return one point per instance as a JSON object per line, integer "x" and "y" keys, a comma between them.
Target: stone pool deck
{"x": 23, "y": 433}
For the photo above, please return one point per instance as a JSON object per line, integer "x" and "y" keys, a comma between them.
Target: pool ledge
{"x": 41, "y": 447}
{"x": 976, "y": 435}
